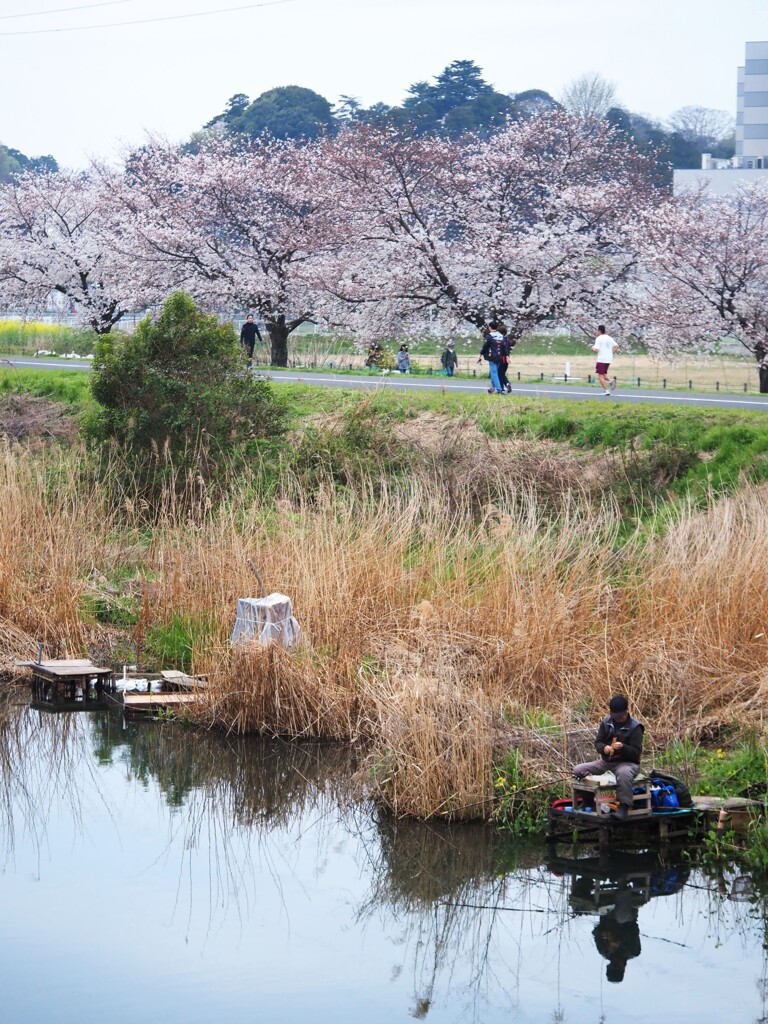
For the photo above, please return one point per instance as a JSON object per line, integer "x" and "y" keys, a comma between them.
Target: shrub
{"x": 177, "y": 402}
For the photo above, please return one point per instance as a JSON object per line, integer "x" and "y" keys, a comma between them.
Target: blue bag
{"x": 664, "y": 798}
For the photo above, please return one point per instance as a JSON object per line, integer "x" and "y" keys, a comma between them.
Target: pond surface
{"x": 153, "y": 873}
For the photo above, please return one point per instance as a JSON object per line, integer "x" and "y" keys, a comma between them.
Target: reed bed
{"x": 435, "y": 624}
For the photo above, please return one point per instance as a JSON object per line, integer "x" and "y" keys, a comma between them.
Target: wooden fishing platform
{"x": 70, "y": 684}
{"x": 587, "y": 817}
{"x": 157, "y": 703}
{"x": 605, "y": 830}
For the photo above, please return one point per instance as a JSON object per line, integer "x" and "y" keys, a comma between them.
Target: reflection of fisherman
{"x": 619, "y": 742}
{"x": 617, "y": 935}
{"x": 614, "y": 887}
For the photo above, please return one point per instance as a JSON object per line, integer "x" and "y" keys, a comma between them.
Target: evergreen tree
{"x": 176, "y": 401}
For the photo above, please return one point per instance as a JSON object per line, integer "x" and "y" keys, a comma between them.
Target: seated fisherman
{"x": 619, "y": 741}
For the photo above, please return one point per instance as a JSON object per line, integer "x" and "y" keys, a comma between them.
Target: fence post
{"x": 664, "y": 383}
{"x": 745, "y": 387}
{"x": 638, "y": 382}
{"x": 518, "y": 376}
{"x": 542, "y": 378}
{"x": 690, "y": 385}
{"x": 717, "y": 385}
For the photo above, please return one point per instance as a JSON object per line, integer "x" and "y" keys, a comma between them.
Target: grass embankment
{"x": 471, "y": 581}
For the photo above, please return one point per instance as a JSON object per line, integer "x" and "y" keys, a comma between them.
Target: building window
{"x": 756, "y": 131}
{"x": 756, "y": 67}
{"x": 756, "y": 99}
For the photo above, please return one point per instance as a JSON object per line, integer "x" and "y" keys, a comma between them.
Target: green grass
{"x": 71, "y": 387}
{"x": 534, "y": 344}
{"x": 739, "y": 768}
{"x": 173, "y": 644}
{"x": 734, "y": 770}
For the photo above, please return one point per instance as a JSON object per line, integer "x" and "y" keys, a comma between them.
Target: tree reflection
{"x": 246, "y": 780}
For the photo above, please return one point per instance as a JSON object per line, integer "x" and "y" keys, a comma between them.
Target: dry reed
{"x": 431, "y": 620}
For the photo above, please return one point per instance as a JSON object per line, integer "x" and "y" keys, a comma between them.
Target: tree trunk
{"x": 763, "y": 371}
{"x": 278, "y": 340}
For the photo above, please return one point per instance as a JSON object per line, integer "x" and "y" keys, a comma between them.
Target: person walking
{"x": 404, "y": 360}
{"x": 492, "y": 351}
{"x": 449, "y": 360}
{"x": 509, "y": 344}
{"x": 619, "y": 742}
{"x": 249, "y": 332}
{"x": 605, "y": 346}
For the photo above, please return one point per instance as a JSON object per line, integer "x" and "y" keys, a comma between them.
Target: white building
{"x": 750, "y": 162}
{"x": 752, "y": 109}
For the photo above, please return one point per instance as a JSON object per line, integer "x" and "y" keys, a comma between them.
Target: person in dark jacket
{"x": 619, "y": 743}
{"x": 509, "y": 344}
{"x": 449, "y": 359}
{"x": 493, "y": 351}
{"x": 249, "y": 332}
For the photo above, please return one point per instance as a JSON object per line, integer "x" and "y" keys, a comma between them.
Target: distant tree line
{"x": 459, "y": 101}
{"x": 12, "y": 162}
{"x": 455, "y": 103}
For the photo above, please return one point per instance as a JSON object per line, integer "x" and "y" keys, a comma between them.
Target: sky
{"x": 90, "y": 92}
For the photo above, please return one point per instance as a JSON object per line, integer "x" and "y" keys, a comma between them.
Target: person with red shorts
{"x": 605, "y": 346}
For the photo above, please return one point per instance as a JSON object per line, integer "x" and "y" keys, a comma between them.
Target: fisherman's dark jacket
{"x": 630, "y": 734}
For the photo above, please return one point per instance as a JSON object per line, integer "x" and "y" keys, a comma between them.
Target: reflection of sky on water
{"x": 166, "y": 881}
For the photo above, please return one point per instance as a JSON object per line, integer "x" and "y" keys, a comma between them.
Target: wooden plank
{"x": 157, "y": 701}
{"x": 65, "y": 669}
{"x": 175, "y": 678}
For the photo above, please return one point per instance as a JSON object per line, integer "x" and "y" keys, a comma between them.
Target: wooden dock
{"x": 606, "y": 830}
{"x": 70, "y": 684}
{"x": 157, "y": 703}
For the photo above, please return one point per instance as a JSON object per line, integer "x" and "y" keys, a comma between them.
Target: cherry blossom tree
{"x": 529, "y": 227}
{"x": 56, "y": 235}
{"x": 237, "y": 227}
{"x": 705, "y": 272}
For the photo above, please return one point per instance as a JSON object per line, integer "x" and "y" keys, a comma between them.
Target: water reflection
{"x": 246, "y": 876}
{"x": 613, "y": 887}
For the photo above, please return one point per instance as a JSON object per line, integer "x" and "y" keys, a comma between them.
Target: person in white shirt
{"x": 605, "y": 346}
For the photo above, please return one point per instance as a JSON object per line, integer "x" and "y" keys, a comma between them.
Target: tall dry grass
{"x": 433, "y": 626}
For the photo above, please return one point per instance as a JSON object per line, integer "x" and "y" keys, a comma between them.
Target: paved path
{"x": 571, "y": 392}
{"x": 404, "y": 382}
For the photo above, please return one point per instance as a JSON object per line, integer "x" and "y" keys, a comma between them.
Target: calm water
{"x": 151, "y": 873}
